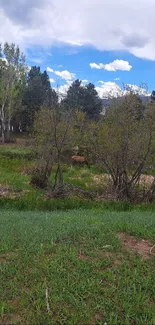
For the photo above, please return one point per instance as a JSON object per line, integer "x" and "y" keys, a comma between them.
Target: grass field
{"x": 72, "y": 268}
{"x": 65, "y": 261}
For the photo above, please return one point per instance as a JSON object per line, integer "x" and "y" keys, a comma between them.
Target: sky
{"x": 107, "y": 42}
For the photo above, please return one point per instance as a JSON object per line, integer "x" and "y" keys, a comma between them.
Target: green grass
{"x": 11, "y": 174}
{"x": 78, "y": 257}
{"x": 15, "y": 151}
{"x": 70, "y": 247}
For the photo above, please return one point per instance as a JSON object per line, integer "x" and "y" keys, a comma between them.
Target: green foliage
{"x": 56, "y": 132}
{"x": 153, "y": 96}
{"x": 37, "y": 93}
{"x": 12, "y": 81}
{"x": 83, "y": 98}
{"x": 120, "y": 144}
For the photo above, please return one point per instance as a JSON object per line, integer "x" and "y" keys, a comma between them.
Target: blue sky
{"x": 108, "y": 41}
{"x": 77, "y": 60}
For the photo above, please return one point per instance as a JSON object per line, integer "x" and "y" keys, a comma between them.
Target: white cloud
{"x": 95, "y": 66}
{"x": 132, "y": 27}
{"x": 62, "y": 90}
{"x": 109, "y": 89}
{"x": 113, "y": 66}
{"x": 112, "y": 89}
{"x": 28, "y": 68}
{"x": 85, "y": 81}
{"x": 116, "y": 79}
{"x": 49, "y": 69}
{"x": 142, "y": 90}
{"x": 52, "y": 80}
{"x": 66, "y": 75}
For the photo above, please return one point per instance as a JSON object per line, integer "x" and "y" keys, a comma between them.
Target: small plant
{"x": 84, "y": 173}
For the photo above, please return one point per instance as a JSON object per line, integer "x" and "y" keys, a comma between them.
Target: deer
{"x": 79, "y": 160}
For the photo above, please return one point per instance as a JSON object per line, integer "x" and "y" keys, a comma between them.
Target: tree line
{"x": 121, "y": 142}
{"x": 23, "y": 92}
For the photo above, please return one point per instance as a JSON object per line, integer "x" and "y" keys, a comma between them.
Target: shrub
{"x": 39, "y": 178}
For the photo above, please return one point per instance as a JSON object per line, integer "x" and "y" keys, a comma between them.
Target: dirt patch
{"x": 97, "y": 318}
{"x": 27, "y": 171}
{"x": 6, "y": 257}
{"x": 105, "y": 178}
{"x": 83, "y": 257}
{"x": 107, "y": 197}
{"x": 6, "y": 191}
{"x": 146, "y": 179}
{"x": 142, "y": 247}
{"x": 101, "y": 179}
{"x": 14, "y": 319}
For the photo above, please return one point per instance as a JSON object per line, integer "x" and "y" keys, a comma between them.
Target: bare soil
{"x": 6, "y": 191}
{"x": 143, "y": 247}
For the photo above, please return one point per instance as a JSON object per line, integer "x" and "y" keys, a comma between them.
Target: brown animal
{"x": 79, "y": 160}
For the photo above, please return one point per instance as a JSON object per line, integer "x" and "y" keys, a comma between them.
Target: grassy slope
{"x": 88, "y": 282}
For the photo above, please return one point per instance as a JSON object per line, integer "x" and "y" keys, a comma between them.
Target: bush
{"x": 39, "y": 178}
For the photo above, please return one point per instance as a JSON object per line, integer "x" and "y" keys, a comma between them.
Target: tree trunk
{"x": 3, "y": 133}
{"x": 3, "y": 124}
{"x": 8, "y": 130}
{"x": 59, "y": 174}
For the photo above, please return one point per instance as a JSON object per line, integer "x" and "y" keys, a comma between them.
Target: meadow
{"x": 72, "y": 261}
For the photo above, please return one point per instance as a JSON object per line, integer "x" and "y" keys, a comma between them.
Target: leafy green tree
{"x": 122, "y": 144}
{"x": 12, "y": 81}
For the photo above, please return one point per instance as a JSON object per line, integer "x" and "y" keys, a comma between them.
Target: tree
{"x": 52, "y": 99}
{"x": 75, "y": 96}
{"x": 34, "y": 72}
{"x": 153, "y": 96}
{"x": 54, "y": 133}
{"x": 12, "y": 79}
{"x": 33, "y": 98}
{"x": 122, "y": 144}
{"x": 92, "y": 102}
{"x": 38, "y": 93}
{"x": 83, "y": 98}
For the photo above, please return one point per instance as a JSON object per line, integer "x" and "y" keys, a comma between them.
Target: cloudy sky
{"x": 107, "y": 42}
